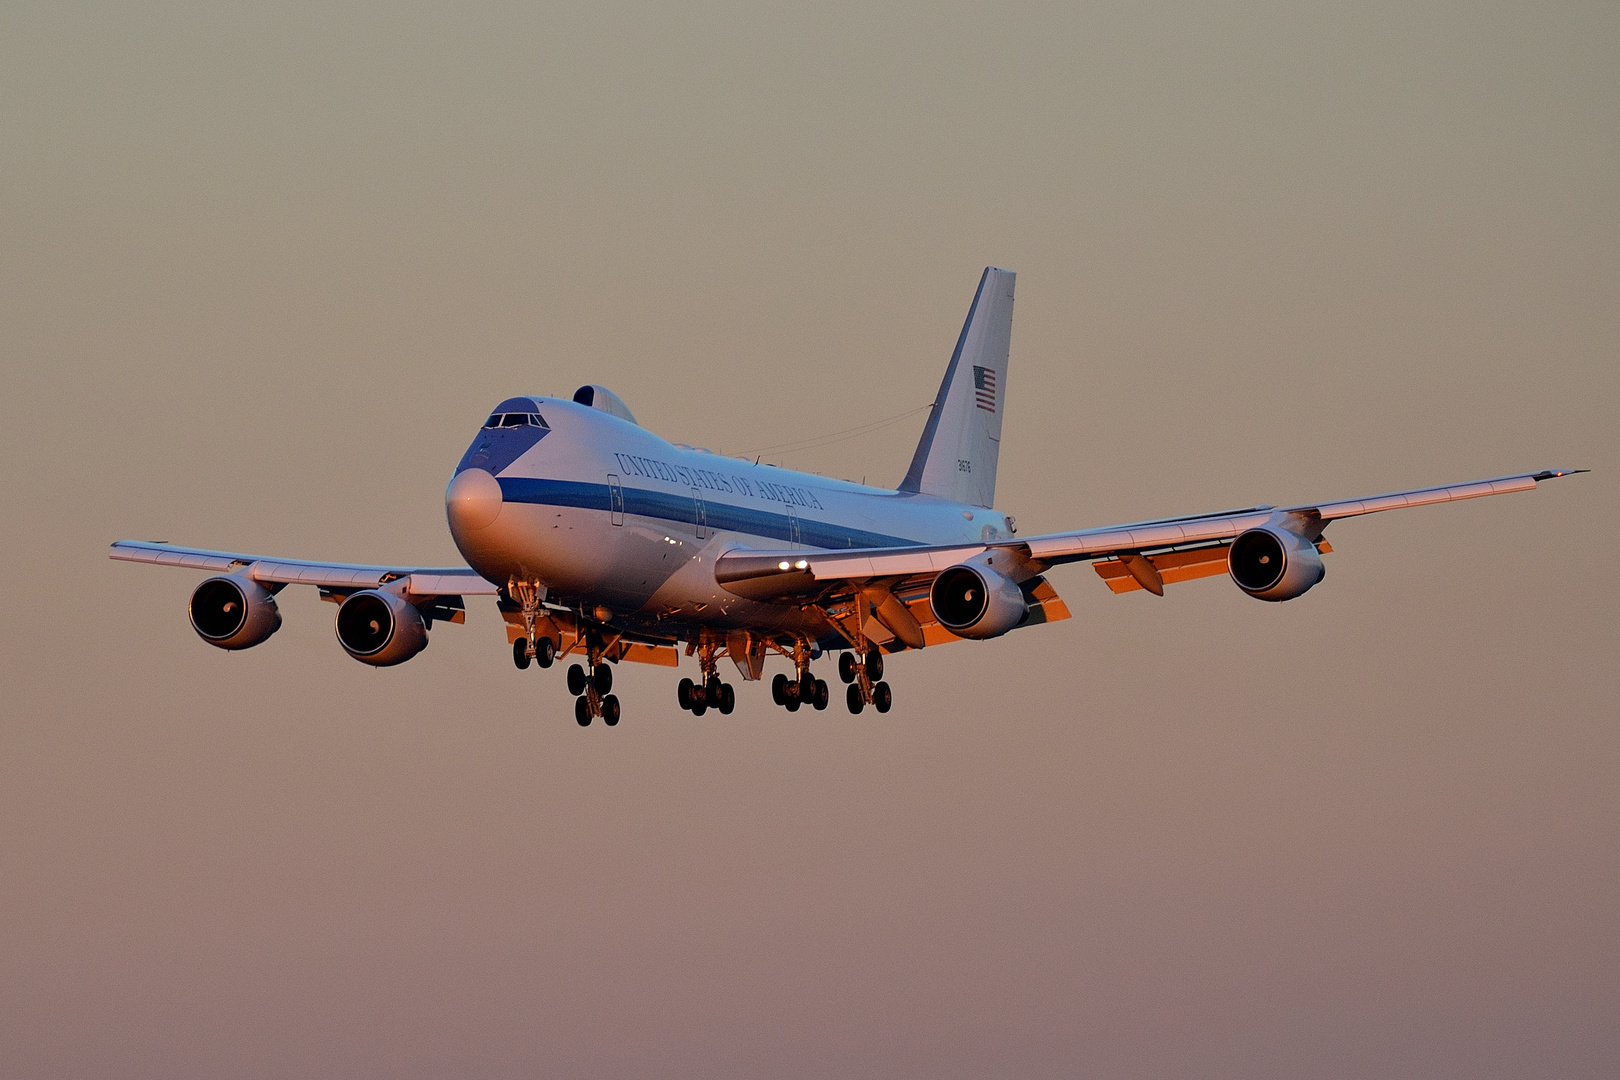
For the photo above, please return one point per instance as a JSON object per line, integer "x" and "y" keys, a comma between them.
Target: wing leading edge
{"x": 420, "y": 581}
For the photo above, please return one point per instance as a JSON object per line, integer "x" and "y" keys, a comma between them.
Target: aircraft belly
{"x": 691, "y": 596}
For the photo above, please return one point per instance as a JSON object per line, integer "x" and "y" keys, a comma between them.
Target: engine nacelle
{"x": 1270, "y": 563}
{"x": 380, "y": 628}
{"x": 234, "y": 612}
{"x": 974, "y": 601}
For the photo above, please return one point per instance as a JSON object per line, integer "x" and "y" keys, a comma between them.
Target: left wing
{"x": 771, "y": 575}
{"x": 330, "y": 577}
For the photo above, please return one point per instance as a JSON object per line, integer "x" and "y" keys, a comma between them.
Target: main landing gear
{"x": 591, "y": 697}
{"x": 698, "y": 698}
{"x": 794, "y": 694}
{"x": 708, "y": 692}
{"x": 803, "y": 688}
{"x": 864, "y": 677}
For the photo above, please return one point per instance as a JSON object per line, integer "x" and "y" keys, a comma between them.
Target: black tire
{"x": 874, "y": 665}
{"x": 683, "y": 694}
{"x": 853, "y": 697}
{"x": 610, "y": 711}
{"x": 779, "y": 689}
{"x": 792, "y": 704}
{"x": 728, "y": 699}
{"x": 699, "y": 708}
{"x": 544, "y": 652}
{"x": 882, "y": 697}
{"x": 604, "y": 678}
{"x": 807, "y": 688}
{"x": 576, "y": 679}
{"x": 846, "y": 666}
{"x": 821, "y": 697}
{"x": 712, "y": 690}
{"x": 582, "y": 711}
{"x": 520, "y": 653}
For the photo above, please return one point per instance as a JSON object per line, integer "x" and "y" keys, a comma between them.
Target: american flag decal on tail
{"x": 984, "y": 388}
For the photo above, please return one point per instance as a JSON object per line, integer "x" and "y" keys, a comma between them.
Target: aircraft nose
{"x": 473, "y": 500}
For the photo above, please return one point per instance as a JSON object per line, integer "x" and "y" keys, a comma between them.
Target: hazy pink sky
{"x": 264, "y": 269}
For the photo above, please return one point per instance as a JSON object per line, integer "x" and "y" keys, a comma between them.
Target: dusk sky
{"x": 264, "y": 269}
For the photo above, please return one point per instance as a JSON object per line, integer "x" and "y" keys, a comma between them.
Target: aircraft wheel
{"x": 582, "y": 711}
{"x": 520, "y": 653}
{"x": 683, "y": 694}
{"x": 793, "y": 704}
{"x": 779, "y": 689}
{"x": 544, "y": 652}
{"x": 856, "y": 702}
{"x": 807, "y": 688}
{"x": 882, "y": 698}
{"x": 699, "y": 706}
{"x": 846, "y": 666}
{"x": 610, "y": 710}
{"x": 874, "y": 665}
{"x": 712, "y": 689}
{"x": 821, "y": 696}
{"x": 576, "y": 679}
{"x": 728, "y": 699}
{"x": 604, "y": 678}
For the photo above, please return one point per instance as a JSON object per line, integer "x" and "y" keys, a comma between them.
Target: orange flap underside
{"x": 1174, "y": 566}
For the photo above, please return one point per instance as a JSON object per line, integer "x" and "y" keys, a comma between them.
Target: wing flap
{"x": 1172, "y": 566}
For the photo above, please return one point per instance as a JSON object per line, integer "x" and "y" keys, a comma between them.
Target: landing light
{"x": 803, "y": 564}
{"x": 782, "y": 565}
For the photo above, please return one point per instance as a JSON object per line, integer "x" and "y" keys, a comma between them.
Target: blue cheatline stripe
{"x": 682, "y": 509}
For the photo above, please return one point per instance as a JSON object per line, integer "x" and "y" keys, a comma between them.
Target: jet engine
{"x": 1270, "y": 563}
{"x": 380, "y": 628}
{"x": 974, "y": 601}
{"x": 233, "y": 612}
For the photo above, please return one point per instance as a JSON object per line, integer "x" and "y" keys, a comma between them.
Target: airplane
{"x": 602, "y": 541}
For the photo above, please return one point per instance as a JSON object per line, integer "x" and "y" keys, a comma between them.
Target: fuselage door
{"x": 699, "y": 516}
{"x": 793, "y": 525}
{"x": 615, "y": 500}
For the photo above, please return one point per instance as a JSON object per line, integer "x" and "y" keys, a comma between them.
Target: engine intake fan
{"x": 233, "y": 612}
{"x": 380, "y": 628}
{"x": 1270, "y": 563}
{"x": 976, "y": 602}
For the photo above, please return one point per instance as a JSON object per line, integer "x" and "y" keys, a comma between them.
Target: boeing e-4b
{"x": 602, "y": 541}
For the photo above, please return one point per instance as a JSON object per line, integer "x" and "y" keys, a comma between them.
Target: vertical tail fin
{"x": 956, "y": 458}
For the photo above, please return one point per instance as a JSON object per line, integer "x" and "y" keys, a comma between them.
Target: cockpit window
{"x": 516, "y": 419}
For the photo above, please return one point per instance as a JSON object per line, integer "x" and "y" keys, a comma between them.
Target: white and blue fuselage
{"x": 608, "y": 515}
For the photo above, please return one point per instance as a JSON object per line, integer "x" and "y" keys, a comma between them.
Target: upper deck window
{"x": 516, "y": 419}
